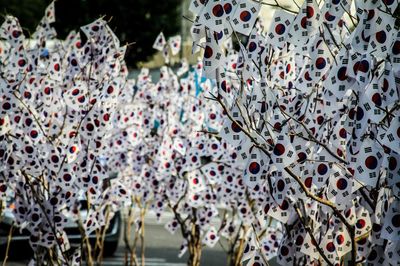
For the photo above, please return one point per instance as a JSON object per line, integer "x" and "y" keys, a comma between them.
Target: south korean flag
{"x": 251, "y": 246}
{"x": 255, "y": 45}
{"x": 339, "y": 136}
{"x": 212, "y": 58}
{"x": 360, "y": 37}
{"x": 232, "y": 130}
{"x": 50, "y": 13}
{"x": 245, "y": 212}
{"x": 382, "y": 202}
{"x": 322, "y": 169}
{"x": 329, "y": 246}
{"x": 392, "y": 137}
{"x": 395, "y": 52}
{"x": 372, "y": 101}
{"x": 321, "y": 57}
{"x": 11, "y": 31}
{"x": 211, "y": 237}
{"x": 224, "y": 35}
{"x": 281, "y": 212}
{"x": 363, "y": 221}
{"x": 215, "y": 13}
{"x": 197, "y": 183}
{"x": 279, "y": 28}
{"x": 342, "y": 241}
{"x": 367, "y": 163}
{"x": 160, "y": 42}
{"x": 254, "y": 173}
{"x": 245, "y": 16}
{"x": 382, "y": 32}
{"x": 338, "y": 81}
{"x": 44, "y": 29}
{"x": 309, "y": 247}
{"x": 389, "y": 5}
{"x": 213, "y": 172}
{"x": 198, "y": 34}
{"x": 283, "y": 153}
{"x": 306, "y": 24}
{"x": 388, "y": 84}
{"x": 305, "y": 83}
{"x": 172, "y": 226}
{"x": 392, "y": 165}
{"x": 333, "y": 11}
{"x": 175, "y": 44}
{"x": 197, "y": 5}
{"x": 391, "y": 225}
{"x": 281, "y": 185}
{"x": 392, "y": 252}
{"x": 286, "y": 251}
{"x": 340, "y": 187}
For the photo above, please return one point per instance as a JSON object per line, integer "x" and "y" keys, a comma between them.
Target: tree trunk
{"x": 142, "y": 246}
{"x": 194, "y": 254}
{"x": 194, "y": 246}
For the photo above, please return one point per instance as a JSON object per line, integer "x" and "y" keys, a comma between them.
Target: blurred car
{"x": 111, "y": 239}
{"x": 19, "y": 236}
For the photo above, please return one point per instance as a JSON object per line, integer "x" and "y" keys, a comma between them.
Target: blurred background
{"x": 138, "y": 21}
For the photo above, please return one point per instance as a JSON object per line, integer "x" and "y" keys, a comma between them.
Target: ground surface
{"x": 162, "y": 249}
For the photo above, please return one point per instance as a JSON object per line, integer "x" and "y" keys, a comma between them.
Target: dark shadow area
{"x": 208, "y": 257}
{"x": 128, "y": 18}
{"x": 18, "y": 251}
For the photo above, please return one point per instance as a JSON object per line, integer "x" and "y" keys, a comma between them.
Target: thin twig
{"x": 8, "y": 244}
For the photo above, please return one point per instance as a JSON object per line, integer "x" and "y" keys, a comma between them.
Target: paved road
{"x": 162, "y": 249}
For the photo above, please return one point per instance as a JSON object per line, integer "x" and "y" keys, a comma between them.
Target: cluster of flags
{"x": 168, "y": 48}
{"x": 312, "y": 107}
{"x": 296, "y": 134}
{"x": 165, "y": 148}
{"x": 57, "y": 106}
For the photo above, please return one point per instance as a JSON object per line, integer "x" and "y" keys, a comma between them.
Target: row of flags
{"x": 167, "y": 162}
{"x": 168, "y": 48}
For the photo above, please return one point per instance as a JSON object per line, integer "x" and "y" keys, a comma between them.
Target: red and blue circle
{"x": 236, "y": 126}
{"x": 254, "y": 168}
{"x": 208, "y": 52}
{"x": 303, "y": 22}
{"x": 329, "y": 17}
{"x": 381, "y": 36}
{"x": 310, "y": 12}
{"x": 377, "y": 99}
{"x": 322, "y": 169}
{"x": 371, "y": 162}
{"x": 360, "y": 113}
{"x": 341, "y": 184}
{"x": 279, "y": 149}
{"x": 342, "y": 75}
{"x": 228, "y": 8}
{"x": 252, "y": 46}
{"x": 320, "y": 63}
{"x": 280, "y": 185}
{"x": 280, "y": 29}
{"x": 330, "y": 247}
{"x": 396, "y": 48}
{"x": 245, "y": 16}
{"x": 218, "y": 11}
